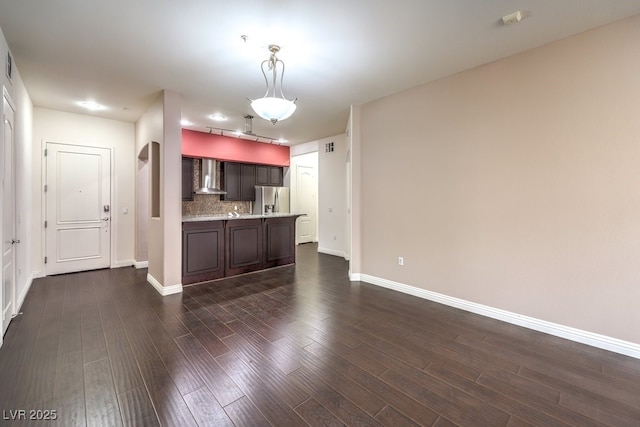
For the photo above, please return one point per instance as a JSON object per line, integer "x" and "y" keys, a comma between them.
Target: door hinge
{"x": 45, "y": 224}
{"x": 45, "y": 188}
{"x": 45, "y": 152}
{"x": 45, "y": 260}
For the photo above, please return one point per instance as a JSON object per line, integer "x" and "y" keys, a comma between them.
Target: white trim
{"x": 37, "y": 275}
{"x": 23, "y": 295}
{"x": 331, "y": 252}
{"x": 43, "y": 209}
{"x": 123, "y": 263}
{"x": 164, "y": 290}
{"x": 141, "y": 264}
{"x": 596, "y": 340}
{"x": 355, "y": 277}
{"x": 20, "y": 300}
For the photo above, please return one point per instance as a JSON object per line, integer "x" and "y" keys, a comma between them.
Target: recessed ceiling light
{"x": 218, "y": 117}
{"x": 90, "y": 105}
{"x": 185, "y": 122}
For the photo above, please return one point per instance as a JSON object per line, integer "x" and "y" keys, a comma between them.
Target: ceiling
{"x": 121, "y": 53}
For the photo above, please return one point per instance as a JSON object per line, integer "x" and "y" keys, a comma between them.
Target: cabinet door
{"x": 187, "y": 178}
{"x": 231, "y": 180}
{"x": 243, "y": 252}
{"x": 279, "y": 241}
{"x": 262, "y": 175}
{"x": 269, "y": 175}
{"x": 247, "y": 182}
{"x": 275, "y": 176}
{"x": 202, "y": 251}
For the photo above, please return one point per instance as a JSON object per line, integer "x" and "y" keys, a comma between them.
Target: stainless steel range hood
{"x": 208, "y": 178}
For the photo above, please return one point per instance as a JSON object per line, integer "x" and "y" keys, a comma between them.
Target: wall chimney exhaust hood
{"x": 208, "y": 174}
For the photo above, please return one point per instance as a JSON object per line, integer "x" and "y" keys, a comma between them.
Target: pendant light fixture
{"x": 270, "y": 107}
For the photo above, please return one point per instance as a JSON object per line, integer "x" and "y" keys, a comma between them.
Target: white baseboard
{"x": 141, "y": 264}
{"x": 164, "y": 290}
{"x": 123, "y": 263}
{"x": 38, "y": 274}
{"x": 331, "y": 252}
{"x": 20, "y": 299}
{"x": 24, "y": 293}
{"x": 596, "y": 340}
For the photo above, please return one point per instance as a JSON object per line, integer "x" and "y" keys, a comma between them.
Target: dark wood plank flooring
{"x": 297, "y": 345}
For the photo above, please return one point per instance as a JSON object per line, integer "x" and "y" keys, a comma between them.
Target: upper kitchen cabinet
{"x": 269, "y": 175}
{"x": 187, "y": 178}
{"x": 239, "y": 181}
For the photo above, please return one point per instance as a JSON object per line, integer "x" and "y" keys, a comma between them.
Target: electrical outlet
{"x": 400, "y": 260}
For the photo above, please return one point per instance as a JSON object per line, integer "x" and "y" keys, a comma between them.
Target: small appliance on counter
{"x": 270, "y": 200}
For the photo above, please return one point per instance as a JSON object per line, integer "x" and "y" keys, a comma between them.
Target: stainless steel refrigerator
{"x": 271, "y": 200}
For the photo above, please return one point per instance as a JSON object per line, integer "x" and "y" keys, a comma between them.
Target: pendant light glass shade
{"x": 270, "y": 107}
{"x": 273, "y": 109}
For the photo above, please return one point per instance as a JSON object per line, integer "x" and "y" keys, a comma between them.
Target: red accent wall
{"x": 200, "y": 144}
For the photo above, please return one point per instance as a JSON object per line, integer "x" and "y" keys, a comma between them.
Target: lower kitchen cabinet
{"x": 279, "y": 241}
{"x": 243, "y": 239}
{"x": 218, "y": 248}
{"x": 202, "y": 251}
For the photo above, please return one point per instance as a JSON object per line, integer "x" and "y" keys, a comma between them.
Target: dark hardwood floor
{"x": 296, "y": 345}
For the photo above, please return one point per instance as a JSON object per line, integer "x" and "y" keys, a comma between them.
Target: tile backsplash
{"x": 210, "y": 204}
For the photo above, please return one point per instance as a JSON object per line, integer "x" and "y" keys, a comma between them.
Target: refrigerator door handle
{"x": 276, "y": 204}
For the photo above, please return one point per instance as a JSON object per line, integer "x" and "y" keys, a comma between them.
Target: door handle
{"x": 105, "y": 218}
{"x": 14, "y": 241}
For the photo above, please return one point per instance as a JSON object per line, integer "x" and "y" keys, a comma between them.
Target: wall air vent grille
{"x": 328, "y": 147}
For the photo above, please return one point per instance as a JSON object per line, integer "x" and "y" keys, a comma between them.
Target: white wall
{"x": 77, "y": 129}
{"x": 354, "y": 199}
{"x": 332, "y": 196}
{"x": 161, "y": 124}
{"x": 24, "y": 205}
{"x": 522, "y": 184}
{"x": 22, "y": 152}
{"x": 332, "y": 216}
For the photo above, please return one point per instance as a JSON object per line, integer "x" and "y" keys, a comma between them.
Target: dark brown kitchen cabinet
{"x": 239, "y": 181}
{"x": 279, "y": 241}
{"x": 244, "y": 248}
{"x": 227, "y": 247}
{"x": 202, "y": 251}
{"x": 187, "y": 178}
{"x": 269, "y": 175}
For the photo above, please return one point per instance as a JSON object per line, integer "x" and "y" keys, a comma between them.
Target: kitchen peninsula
{"x": 220, "y": 246}
{"x": 216, "y": 243}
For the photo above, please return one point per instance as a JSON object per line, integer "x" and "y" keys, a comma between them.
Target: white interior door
{"x": 307, "y": 189}
{"x": 8, "y": 214}
{"x": 78, "y": 205}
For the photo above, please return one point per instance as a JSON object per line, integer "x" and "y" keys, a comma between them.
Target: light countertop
{"x": 192, "y": 218}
